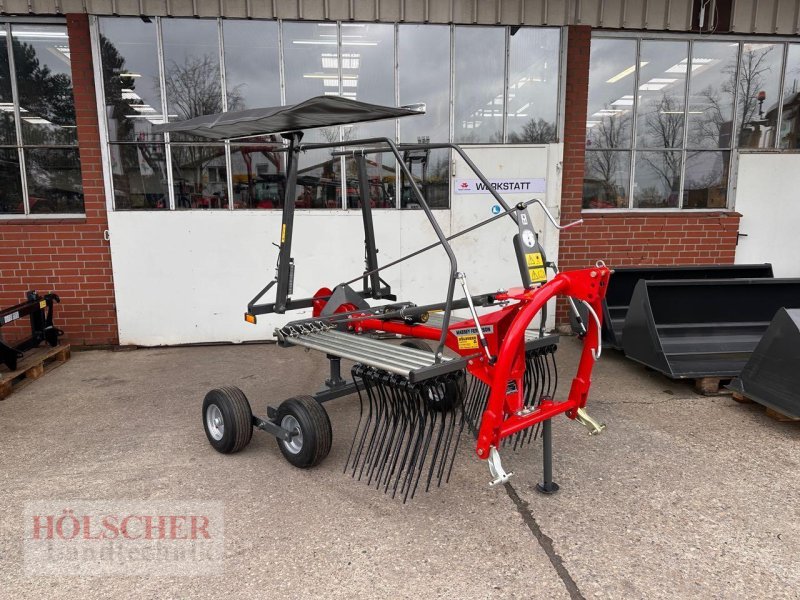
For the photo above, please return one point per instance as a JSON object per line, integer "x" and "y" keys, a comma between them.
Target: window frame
{"x": 733, "y": 150}
{"x": 100, "y": 95}
{"x": 6, "y": 24}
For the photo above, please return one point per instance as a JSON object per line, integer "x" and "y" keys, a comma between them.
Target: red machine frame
{"x": 504, "y": 414}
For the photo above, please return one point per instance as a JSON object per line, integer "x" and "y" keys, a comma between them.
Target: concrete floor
{"x": 683, "y": 496}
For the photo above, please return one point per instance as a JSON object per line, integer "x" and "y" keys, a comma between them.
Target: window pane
{"x": 44, "y": 84}
{"x": 706, "y": 180}
{"x": 662, "y": 91}
{"x": 10, "y": 182}
{"x": 130, "y": 78}
{"x": 428, "y": 45}
{"x": 478, "y": 93}
{"x": 258, "y": 175}
{"x": 381, "y": 178}
{"x": 8, "y": 133}
{"x": 191, "y": 68}
{"x": 759, "y": 85}
{"x": 140, "y": 176}
{"x": 611, "y": 82}
{"x": 606, "y": 179}
{"x": 368, "y": 73}
{"x": 310, "y": 56}
{"x": 431, "y": 171}
{"x": 790, "y": 127}
{"x": 54, "y": 180}
{"x": 711, "y": 90}
{"x": 533, "y": 85}
{"x": 252, "y": 72}
{"x": 657, "y": 179}
{"x": 199, "y": 176}
{"x": 319, "y": 179}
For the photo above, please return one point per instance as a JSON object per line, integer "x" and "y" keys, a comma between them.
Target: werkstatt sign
{"x": 505, "y": 186}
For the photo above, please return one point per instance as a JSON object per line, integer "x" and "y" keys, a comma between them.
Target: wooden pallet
{"x": 712, "y": 386}
{"x": 771, "y": 413}
{"x": 33, "y": 365}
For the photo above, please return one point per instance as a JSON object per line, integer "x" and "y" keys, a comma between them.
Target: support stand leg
{"x": 335, "y": 379}
{"x": 547, "y": 486}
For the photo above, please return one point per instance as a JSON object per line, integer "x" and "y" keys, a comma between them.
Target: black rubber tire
{"x": 447, "y": 398}
{"x": 315, "y": 427}
{"x": 237, "y": 419}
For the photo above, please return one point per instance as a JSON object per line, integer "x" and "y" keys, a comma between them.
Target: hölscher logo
{"x": 99, "y": 538}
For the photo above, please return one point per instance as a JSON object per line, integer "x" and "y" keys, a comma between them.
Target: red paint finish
{"x": 506, "y": 344}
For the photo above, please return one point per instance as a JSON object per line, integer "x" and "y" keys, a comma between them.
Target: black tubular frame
{"x": 372, "y": 281}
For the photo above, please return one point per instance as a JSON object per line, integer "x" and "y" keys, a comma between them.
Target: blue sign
{"x": 496, "y": 210}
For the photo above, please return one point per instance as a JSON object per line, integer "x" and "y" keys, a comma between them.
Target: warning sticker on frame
{"x": 468, "y": 342}
{"x": 538, "y": 274}
{"x": 534, "y": 259}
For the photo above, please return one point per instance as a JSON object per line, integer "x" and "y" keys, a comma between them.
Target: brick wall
{"x": 629, "y": 238}
{"x": 69, "y": 257}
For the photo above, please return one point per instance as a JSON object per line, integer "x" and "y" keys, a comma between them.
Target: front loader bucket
{"x": 624, "y": 280}
{"x": 772, "y": 375}
{"x": 695, "y": 329}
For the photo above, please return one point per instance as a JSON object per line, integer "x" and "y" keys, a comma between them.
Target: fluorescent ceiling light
{"x": 625, "y": 72}
{"x": 36, "y": 121}
{"x": 40, "y": 34}
{"x": 134, "y": 75}
{"x": 350, "y": 83}
{"x": 330, "y": 83}
{"x": 656, "y": 83}
{"x": 332, "y": 43}
{"x": 696, "y": 64}
{"x": 624, "y": 101}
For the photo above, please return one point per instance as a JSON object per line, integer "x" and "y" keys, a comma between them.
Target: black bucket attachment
{"x": 408, "y": 433}
{"x": 695, "y": 329}
{"x": 772, "y": 375}
{"x": 624, "y": 280}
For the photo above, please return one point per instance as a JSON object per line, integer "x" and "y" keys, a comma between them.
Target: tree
{"x": 194, "y": 89}
{"x": 716, "y": 122}
{"x": 535, "y": 131}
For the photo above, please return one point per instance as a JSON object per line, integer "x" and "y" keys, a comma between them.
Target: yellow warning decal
{"x": 42, "y": 303}
{"x": 534, "y": 259}
{"x": 468, "y": 342}
{"x": 538, "y": 274}
{"x": 283, "y": 233}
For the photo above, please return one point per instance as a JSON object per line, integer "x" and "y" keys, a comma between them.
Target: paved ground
{"x": 682, "y": 497}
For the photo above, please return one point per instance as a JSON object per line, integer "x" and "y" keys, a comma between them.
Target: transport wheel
{"x": 312, "y": 440}
{"x": 443, "y": 397}
{"x": 227, "y": 419}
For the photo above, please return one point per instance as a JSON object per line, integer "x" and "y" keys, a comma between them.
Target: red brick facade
{"x": 69, "y": 256}
{"x": 630, "y": 238}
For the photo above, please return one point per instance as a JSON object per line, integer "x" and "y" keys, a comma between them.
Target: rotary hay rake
{"x": 498, "y": 378}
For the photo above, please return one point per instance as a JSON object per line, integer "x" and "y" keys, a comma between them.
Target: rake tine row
{"x": 401, "y": 432}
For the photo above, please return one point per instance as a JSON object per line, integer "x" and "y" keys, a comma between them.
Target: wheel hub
{"x": 295, "y": 443}
{"x": 215, "y": 422}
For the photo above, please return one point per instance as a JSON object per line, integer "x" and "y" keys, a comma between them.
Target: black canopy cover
{"x": 321, "y": 111}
